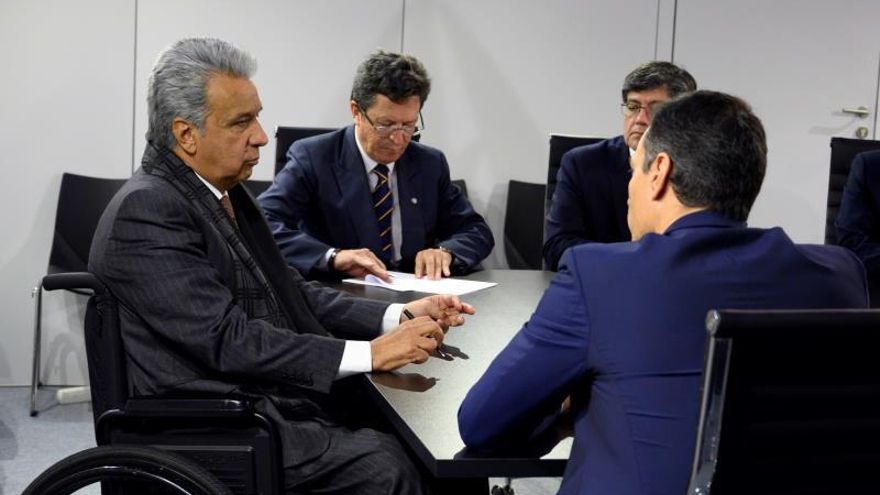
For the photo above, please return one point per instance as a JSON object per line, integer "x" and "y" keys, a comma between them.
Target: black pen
{"x": 439, "y": 349}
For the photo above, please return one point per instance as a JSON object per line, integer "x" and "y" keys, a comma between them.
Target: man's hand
{"x": 359, "y": 263}
{"x": 411, "y": 342}
{"x": 433, "y": 263}
{"x": 445, "y": 309}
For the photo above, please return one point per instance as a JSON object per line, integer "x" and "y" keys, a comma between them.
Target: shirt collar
{"x": 703, "y": 218}
{"x": 210, "y": 186}
{"x": 369, "y": 163}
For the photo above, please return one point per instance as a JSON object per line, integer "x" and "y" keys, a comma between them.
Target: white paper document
{"x": 403, "y": 282}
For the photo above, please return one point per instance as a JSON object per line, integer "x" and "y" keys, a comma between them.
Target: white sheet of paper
{"x": 403, "y": 282}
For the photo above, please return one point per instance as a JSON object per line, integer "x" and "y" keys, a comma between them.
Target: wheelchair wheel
{"x": 161, "y": 471}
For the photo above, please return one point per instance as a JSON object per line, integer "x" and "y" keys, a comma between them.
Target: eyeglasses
{"x": 388, "y": 130}
{"x": 631, "y": 108}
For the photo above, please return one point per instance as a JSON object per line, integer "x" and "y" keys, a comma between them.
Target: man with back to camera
{"x": 858, "y": 221}
{"x": 208, "y": 305}
{"x": 619, "y": 335}
{"x": 366, "y": 198}
{"x": 589, "y": 204}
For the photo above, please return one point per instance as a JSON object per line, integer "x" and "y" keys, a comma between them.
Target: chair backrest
{"x": 81, "y": 201}
{"x": 843, "y": 150}
{"x": 791, "y": 403}
{"x": 559, "y": 145}
{"x": 256, "y": 187}
{"x": 524, "y": 225}
{"x": 286, "y": 136}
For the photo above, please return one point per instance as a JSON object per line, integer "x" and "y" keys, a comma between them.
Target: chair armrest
{"x": 73, "y": 280}
{"x": 187, "y": 408}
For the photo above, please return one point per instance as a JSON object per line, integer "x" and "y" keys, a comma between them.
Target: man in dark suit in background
{"x": 858, "y": 221}
{"x": 589, "y": 204}
{"x": 621, "y": 332}
{"x": 366, "y": 198}
{"x": 207, "y": 303}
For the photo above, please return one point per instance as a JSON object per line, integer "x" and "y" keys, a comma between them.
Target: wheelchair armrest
{"x": 187, "y": 408}
{"x": 73, "y": 280}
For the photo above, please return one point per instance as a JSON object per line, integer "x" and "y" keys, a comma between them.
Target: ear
{"x": 186, "y": 135}
{"x": 661, "y": 171}
{"x": 355, "y": 110}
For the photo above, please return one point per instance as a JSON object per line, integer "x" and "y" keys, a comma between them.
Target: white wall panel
{"x": 65, "y": 106}
{"x": 507, "y": 74}
{"x": 798, "y": 63}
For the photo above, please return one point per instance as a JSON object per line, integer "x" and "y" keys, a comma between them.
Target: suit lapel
{"x": 409, "y": 200}
{"x": 354, "y": 188}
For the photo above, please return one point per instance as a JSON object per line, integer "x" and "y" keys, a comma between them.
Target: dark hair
{"x": 394, "y": 75}
{"x": 658, "y": 74}
{"x": 718, "y": 150}
{"x": 179, "y": 79}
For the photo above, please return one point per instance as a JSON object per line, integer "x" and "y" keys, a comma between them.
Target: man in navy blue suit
{"x": 589, "y": 204}
{"x": 366, "y": 198}
{"x": 858, "y": 221}
{"x": 615, "y": 348}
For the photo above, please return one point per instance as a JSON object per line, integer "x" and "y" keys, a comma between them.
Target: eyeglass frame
{"x": 389, "y": 130}
{"x": 629, "y": 112}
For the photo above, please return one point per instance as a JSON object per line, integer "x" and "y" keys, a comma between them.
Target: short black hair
{"x": 659, "y": 74}
{"x": 718, "y": 150}
{"x": 396, "y": 76}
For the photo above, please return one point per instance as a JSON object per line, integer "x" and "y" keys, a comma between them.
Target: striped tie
{"x": 383, "y": 204}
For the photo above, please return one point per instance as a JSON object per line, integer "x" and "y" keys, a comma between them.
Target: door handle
{"x": 861, "y": 112}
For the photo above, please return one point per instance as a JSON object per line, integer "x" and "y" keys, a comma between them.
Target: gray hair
{"x": 179, "y": 80}
{"x": 658, "y": 74}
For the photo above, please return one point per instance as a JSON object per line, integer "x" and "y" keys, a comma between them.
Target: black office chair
{"x": 791, "y": 403}
{"x": 843, "y": 150}
{"x": 285, "y": 136}
{"x": 224, "y": 435}
{"x": 81, "y": 201}
{"x": 524, "y": 225}
{"x": 559, "y": 145}
{"x": 256, "y": 187}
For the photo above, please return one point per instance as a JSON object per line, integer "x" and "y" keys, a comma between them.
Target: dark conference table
{"x": 421, "y": 401}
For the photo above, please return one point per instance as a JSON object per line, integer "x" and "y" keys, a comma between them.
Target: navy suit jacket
{"x": 589, "y": 204}
{"x": 858, "y": 221}
{"x": 621, "y": 329}
{"x": 321, "y": 200}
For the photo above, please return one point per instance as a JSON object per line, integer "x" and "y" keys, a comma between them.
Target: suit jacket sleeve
{"x": 566, "y": 218}
{"x": 459, "y": 228}
{"x": 858, "y": 225}
{"x": 289, "y": 201}
{"x": 529, "y": 379}
{"x": 158, "y": 264}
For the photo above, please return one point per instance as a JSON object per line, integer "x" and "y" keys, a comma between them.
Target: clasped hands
{"x": 433, "y": 263}
{"x": 414, "y": 340}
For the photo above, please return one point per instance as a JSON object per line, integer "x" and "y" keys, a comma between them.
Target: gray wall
{"x": 506, "y": 74}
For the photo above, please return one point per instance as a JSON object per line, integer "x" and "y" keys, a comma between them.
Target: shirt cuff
{"x": 357, "y": 357}
{"x": 322, "y": 263}
{"x": 391, "y": 320}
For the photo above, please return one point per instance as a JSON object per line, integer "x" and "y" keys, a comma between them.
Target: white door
{"x": 799, "y": 63}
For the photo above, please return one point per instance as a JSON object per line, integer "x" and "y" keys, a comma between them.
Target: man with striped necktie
{"x": 366, "y": 198}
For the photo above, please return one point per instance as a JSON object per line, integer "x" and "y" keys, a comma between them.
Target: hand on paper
{"x": 359, "y": 263}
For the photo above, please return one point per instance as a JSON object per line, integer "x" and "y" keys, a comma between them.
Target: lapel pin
{"x": 414, "y": 201}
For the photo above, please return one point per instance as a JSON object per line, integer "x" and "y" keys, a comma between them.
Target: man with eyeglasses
{"x": 366, "y": 198}
{"x": 589, "y": 204}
